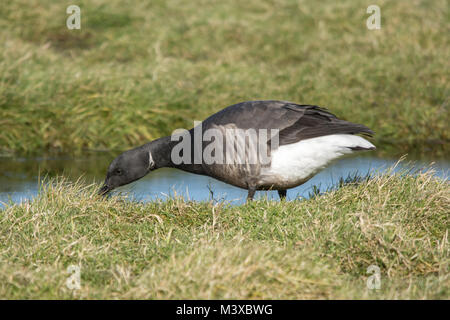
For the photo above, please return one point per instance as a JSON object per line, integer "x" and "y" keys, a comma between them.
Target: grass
{"x": 135, "y": 73}
{"x": 317, "y": 248}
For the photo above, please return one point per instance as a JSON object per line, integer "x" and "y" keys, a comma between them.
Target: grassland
{"x": 136, "y": 72}
{"x": 316, "y": 248}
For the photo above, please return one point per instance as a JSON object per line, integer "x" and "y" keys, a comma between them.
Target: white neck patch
{"x": 151, "y": 162}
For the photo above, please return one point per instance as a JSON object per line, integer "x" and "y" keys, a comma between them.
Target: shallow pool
{"x": 19, "y": 177}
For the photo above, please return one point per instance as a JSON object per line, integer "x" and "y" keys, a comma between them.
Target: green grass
{"x": 136, "y": 72}
{"x": 318, "y": 248}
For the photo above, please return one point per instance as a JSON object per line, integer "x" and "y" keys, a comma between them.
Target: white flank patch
{"x": 295, "y": 163}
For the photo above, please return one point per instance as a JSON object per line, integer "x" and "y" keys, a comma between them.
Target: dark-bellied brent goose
{"x": 254, "y": 145}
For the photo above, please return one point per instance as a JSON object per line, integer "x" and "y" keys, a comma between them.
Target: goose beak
{"x": 104, "y": 190}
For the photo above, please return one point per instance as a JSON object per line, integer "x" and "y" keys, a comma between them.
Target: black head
{"x": 126, "y": 168}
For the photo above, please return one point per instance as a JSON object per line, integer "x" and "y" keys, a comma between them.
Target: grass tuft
{"x": 316, "y": 248}
{"x": 160, "y": 65}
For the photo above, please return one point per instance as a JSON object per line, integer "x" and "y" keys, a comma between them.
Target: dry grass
{"x": 159, "y": 65}
{"x": 317, "y": 248}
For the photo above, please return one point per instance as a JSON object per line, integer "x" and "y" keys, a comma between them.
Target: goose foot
{"x": 251, "y": 194}
{"x": 282, "y": 194}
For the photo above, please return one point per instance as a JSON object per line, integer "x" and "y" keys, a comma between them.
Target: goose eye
{"x": 118, "y": 172}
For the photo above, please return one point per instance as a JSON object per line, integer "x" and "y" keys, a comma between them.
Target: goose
{"x": 297, "y": 141}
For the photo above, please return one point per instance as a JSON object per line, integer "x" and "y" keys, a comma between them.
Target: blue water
{"x": 19, "y": 178}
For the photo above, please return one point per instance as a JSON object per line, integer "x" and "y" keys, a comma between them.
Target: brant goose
{"x": 254, "y": 145}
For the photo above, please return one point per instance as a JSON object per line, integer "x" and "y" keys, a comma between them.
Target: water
{"x": 19, "y": 178}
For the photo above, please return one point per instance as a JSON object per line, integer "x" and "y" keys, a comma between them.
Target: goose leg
{"x": 282, "y": 194}
{"x": 251, "y": 194}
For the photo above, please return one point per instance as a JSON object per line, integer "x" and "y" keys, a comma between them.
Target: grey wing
{"x": 317, "y": 122}
{"x": 294, "y": 122}
{"x": 269, "y": 114}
